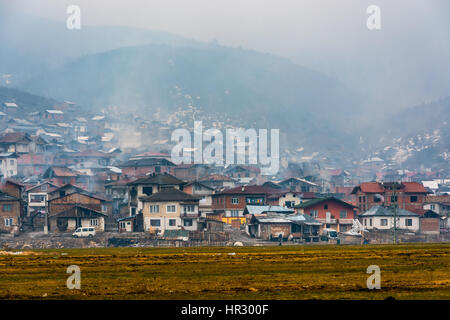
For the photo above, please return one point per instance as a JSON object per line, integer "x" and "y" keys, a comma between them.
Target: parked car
{"x": 329, "y": 234}
{"x": 84, "y": 232}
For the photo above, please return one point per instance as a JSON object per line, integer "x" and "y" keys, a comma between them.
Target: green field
{"x": 412, "y": 271}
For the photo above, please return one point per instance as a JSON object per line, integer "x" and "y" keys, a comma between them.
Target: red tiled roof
{"x": 376, "y": 187}
{"x": 438, "y": 199}
{"x": 414, "y": 187}
{"x": 64, "y": 172}
{"x": 13, "y": 137}
{"x": 371, "y": 187}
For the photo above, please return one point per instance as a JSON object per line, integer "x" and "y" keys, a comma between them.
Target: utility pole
{"x": 394, "y": 195}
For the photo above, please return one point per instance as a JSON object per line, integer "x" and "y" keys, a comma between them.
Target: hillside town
{"x": 62, "y": 170}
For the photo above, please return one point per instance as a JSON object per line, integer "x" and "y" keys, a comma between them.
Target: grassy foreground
{"x": 412, "y": 271}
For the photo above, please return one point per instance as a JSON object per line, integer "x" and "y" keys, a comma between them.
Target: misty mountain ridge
{"x": 258, "y": 88}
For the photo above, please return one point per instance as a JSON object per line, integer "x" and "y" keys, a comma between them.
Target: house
{"x": 272, "y": 226}
{"x": 77, "y": 216}
{"x": 241, "y": 171}
{"x": 406, "y": 195}
{"x": 382, "y": 218}
{"x": 269, "y": 227}
{"x": 53, "y": 115}
{"x": 289, "y": 199}
{"x": 37, "y": 197}
{"x": 30, "y": 164}
{"x": 147, "y": 186}
{"x": 430, "y": 222}
{"x": 10, "y": 107}
{"x": 63, "y": 190}
{"x": 17, "y": 142}
{"x": 133, "y": 168}
{"x": 203, "y": 192}
{"x": 335, "y": 177}
{"x": 229, "y": 204}
{"x": 217, "y": 181}
{"x": 299, "y": 185}
{"x": 191, "y": 171}
{"x": 62, "y": 175}
{"x": 8, "y": 164}
{"x": 11, "y": 212}
{"x": 13, "y": 188}
{"x": 170, "y": 209}
{"x": 77, "y": 209}
{"x": 330, "y": 211}
{"x": 439, "y": 204}
{"x": 131, "y": 224}
{"x": 88, "y": 156}
{"x": 117, "y": 191}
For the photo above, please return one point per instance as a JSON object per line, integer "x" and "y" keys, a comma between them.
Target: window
{"x": 7, "y": 208}
{"x": 44, "y": 187}
{"x": 9, "y": 222}
{"x": 393, "y": 198}
{"x": 343, "y": 214}
{"x": 171, "y": 209}
{"x": 172, "y": 222}
{"x": 413, "y": 198}
{"x": 325, "y": 206}
{"x": 11, "y": 162}
{"x": 235, "y": 213}
{"x": 258, "y": 201}
{"x": 189, "y": 208}
{"x": 104, "y": 208}
{"x": 408, "y": 222}
{"x": 94, "y": 222}
{"x": 432, "y": 207}
{"x": 147, "y": 190}
{"x": 365, "y": 222}
{"x": 37, "y": 198}
{"x": 314, "y": 213}
{"x": 187, "y": 222}
{"x": 154, "y": 209}
{"x": 155, "y": 222}
{"x": 235, "y": 200}
{"x": 157, "y": 169}
{"x": 370, "y": 222}
{"x": 289, "y": 204}
{"x": 383, "y": 222}
{"x": 122, "y": 225}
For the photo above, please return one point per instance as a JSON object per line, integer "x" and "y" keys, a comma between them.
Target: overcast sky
{"x": 279, "y": 26}
{"x": 327, "y": 35}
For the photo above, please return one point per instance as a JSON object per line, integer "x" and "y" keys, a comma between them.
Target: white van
{"x": 84, "y": 232}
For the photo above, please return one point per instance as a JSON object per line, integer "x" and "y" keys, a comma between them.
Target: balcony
{"x": 327, "y": 221}
{"x": 190, "y": 215}
{"x": 345, "y": 221}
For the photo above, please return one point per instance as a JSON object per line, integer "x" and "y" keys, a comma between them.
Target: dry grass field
{"x": 412, "y": 271}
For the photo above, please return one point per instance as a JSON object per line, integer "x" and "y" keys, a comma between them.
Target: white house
{"x": 8, "y": 164}
{"x": 382, "y": 218}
